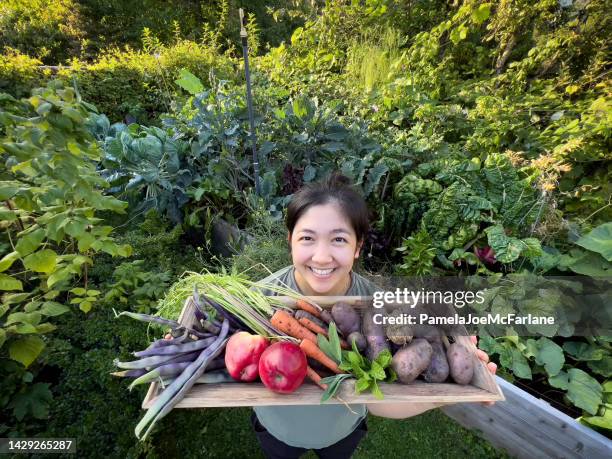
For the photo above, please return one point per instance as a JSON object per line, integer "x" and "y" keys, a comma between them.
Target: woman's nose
{"x": 322, "y": 254}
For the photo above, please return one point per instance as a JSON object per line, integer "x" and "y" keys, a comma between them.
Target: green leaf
{"x": 362, "y": 385}
{"x": 189, "y": 82}
{"x": 334, "y": 342}
{"x": 85, "y": 242}
{"x": 591, "y": 264}
{"x": 560, "y": 380}
{"x": 7, "y": 215}
{"x": 7, "y": 191}
{"x": 377, "y": 372}
{"x": 391, "y": 375}
{"x": 602, "y": 367}
{"x": 514, "y": 359}
{"x": 376, "y": 391}
{"x": 34, "y": 400}
{"x": 25, "y": 350}
{"x": 583, "y": 352}
{"x": 602, "y": 422}
{"x": 30, "y": 242}
{"x": 599, "y": 240}
{"x": 52, "y": 309}
{"x": 2, "y": 337}
{"x": 550, "y": 355}
{"x": 43, "y": 261}
{"x": 333, "y": 384}
{"x": 325, "y": 346}
{"x": 481, "y": 14}
{"x": 8, "y": 260}
{"x": 9, "y": 283}
{"x": 78, "y": 291}
{"x": 25, "y": 317}
{"x": 85, "y": 306}
{"x": 384, "y": 358}
{"x": 584, "y": 391}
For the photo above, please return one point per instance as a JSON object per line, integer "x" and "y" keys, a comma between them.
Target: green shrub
{"x": 141, "y": 83}
{"x": 19, "y": 73}
{"x": 47, "y": 29}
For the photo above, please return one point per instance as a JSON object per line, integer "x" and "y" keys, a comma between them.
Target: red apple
{"x": 282, "y": 367}
{"x": 242, "y": 353}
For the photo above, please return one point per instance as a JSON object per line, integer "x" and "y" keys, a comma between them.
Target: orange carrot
{"x": 310, "y": 325}
{"x": 305, "y": 306}
{"x": 314, "y": 376}
{"x": 289, "y": 325}
{"x": 312, "y": 350}
{"x": 315, "y": 328}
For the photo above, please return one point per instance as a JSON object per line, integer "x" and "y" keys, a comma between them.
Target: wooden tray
{"x": 482, "y": 388}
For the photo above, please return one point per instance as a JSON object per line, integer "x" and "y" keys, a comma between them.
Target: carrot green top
{"x": 313, "y": 426}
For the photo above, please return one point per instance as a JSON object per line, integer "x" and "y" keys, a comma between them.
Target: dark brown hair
{"x": 336, "y": 189}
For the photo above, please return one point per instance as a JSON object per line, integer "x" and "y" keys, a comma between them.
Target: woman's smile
{"x": 322, "y": 273}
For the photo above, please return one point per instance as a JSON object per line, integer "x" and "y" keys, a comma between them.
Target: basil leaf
{"x": 362, "y": 385}
{"x": 377, "y": 372}
{"x": 376, "y": 391}
{"x": 384, "y": 358}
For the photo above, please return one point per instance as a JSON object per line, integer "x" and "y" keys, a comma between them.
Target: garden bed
{"x": 528, "y": 427}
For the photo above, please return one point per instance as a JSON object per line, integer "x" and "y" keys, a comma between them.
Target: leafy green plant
{"x": 560, "y": 365}
{"x": 51, "y": 201}
{"x": 149, "y": 162}
{"x": 368, "y": 373}
{"x": 141, "y": 288}
{"x": 418, "y": 255}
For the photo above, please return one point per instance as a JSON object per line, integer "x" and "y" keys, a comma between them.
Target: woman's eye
{"x": 305, "y": 238}
{"x": 339, "y": 239}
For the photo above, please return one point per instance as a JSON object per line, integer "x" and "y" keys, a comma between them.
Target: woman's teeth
{"x": 322, "y": 272}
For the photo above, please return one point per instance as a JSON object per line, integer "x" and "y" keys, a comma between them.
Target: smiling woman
{"x": 327, "y": 225}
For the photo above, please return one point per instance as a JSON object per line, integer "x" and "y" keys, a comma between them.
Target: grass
{"x": 226, "y": 432}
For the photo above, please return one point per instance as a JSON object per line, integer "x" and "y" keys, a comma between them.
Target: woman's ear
{"x": 289, "y": 240}
{"x": 358, "y": 249}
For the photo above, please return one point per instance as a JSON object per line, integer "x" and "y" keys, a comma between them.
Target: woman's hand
{"x": 482, "y": 355}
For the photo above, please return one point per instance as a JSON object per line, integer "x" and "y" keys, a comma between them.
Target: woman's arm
{"x": 401, "y": 410}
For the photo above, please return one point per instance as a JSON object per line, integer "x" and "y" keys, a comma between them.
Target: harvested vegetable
{"x": 229, "y": 295}
{"x": 312, "y": 350}
{"x": 410, "y": 361}
{"x": 461, "y": 363}
{"x": 290, "y": 326}
{"x": 175, "y": 391}
{"x": 314, "y": 377}
{"x": 308, "y": 307}
{"x": 312, "y": 326}
{"x": 438, "y": 369}
{"x": 346, "y": 318}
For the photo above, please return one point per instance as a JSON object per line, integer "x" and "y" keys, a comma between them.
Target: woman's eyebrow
{"x": 334, "y": 231}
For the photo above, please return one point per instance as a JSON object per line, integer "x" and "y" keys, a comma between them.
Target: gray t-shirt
{"x": 313, "y": 426}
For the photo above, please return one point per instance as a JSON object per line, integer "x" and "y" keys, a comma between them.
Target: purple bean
{"x": 189, "y": 357}
{"x": 177, "y": 348}
{"x": 152, "y": 319}
{"x": 210, "y": 327}
{"x": 152, "y": 361}
{"x": 170, "y": 369}
{"x": 130, "y": 373}
{"x": 176, "y": 391}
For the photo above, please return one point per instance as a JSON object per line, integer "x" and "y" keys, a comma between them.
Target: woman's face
{"x": 323, "y": 247}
